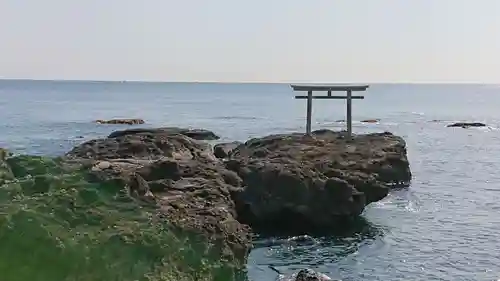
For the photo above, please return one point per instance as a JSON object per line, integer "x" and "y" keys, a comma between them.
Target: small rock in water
{"x": 311, "y": 275}
{"x": 121, "y": 121}
{"x": 370, "y": 121}
{"x": 308, "y": 275}
{"x": 467, "y": 124}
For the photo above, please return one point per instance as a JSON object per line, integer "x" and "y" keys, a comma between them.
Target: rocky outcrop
{"x": 121, "y": 121}
{"x": 306, "y": 183}
{"x": 178, "y": 174}
{"x": 297, "y": 182}
{"x": 223, "y": 150}
{"x": 197, "y": 134}
{"x": 466, "y": 125}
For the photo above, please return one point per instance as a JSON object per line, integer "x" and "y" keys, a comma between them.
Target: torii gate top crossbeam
{"x": 328, "y": 87}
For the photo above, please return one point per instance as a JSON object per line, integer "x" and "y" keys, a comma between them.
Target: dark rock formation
{"x": 466, "y": 125}
{"x": 370, "y": 121}
{"x": 197, "y": 134}
{"x": 222, "y": 150}
{"x": 304, "y": 183}
{"x": 294, "y": 181}
{"x": 121, "y": 121}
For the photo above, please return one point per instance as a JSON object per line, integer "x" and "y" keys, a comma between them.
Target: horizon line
{"x": 248, "y": 82}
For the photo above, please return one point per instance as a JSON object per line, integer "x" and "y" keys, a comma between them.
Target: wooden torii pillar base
{"x": 329, "y": 89}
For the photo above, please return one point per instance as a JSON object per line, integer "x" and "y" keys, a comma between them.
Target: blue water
{"x": 444, "y": 227}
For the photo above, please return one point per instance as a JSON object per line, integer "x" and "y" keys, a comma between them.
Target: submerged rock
{"x": 121, "y": 121}
{"x": 222, "y": 150}
{"x": 466, "y": 125}
{"x": 303, "y": 183}
{"x": 197, "y": 134}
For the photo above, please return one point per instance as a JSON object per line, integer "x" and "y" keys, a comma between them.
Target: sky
{"x": 251, "y": 41}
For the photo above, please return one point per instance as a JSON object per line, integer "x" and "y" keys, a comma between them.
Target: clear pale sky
{"x": 258, "y": 40}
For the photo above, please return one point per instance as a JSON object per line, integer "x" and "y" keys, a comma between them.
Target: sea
{"x": 445, "y": 226}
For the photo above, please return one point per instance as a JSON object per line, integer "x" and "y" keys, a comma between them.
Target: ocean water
{"x": 445, "y": 226}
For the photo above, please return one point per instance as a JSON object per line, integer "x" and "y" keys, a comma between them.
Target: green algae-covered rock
{"x": 57, "y": 225}
{"x": 179, "y": 175}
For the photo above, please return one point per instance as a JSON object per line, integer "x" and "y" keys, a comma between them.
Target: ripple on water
{"x": 287, "y": 255}
{"x": 236, "y": 118}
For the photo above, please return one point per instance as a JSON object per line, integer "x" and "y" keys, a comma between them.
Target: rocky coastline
{"x": 225, "y": 194}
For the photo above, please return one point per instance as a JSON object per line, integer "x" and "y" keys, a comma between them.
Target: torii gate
{"x": 329, "y": 89}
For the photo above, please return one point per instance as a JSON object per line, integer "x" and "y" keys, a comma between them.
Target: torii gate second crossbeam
{"x": 329, "y": 89}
